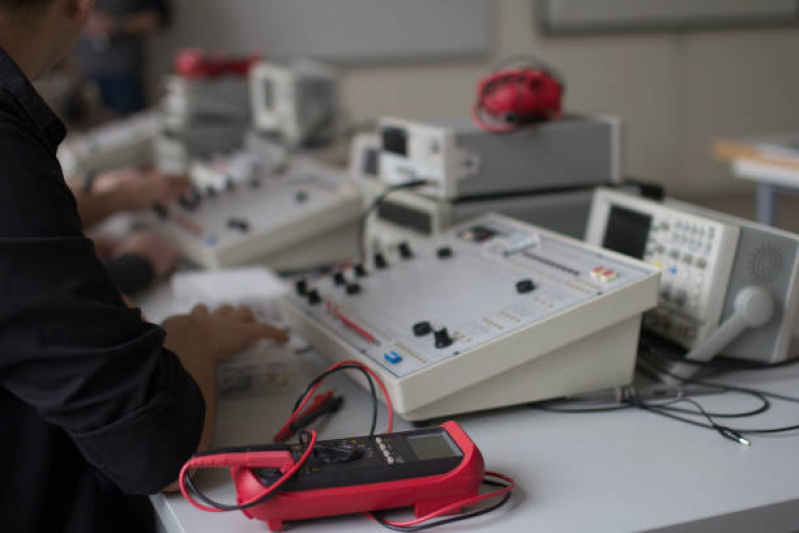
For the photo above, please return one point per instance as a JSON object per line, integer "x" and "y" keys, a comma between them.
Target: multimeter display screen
{"x": 436, "y": 446}
{"x": 627, "y": 231}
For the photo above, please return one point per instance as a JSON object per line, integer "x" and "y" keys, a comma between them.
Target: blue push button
{"x": 211, "y": 240}
{"x": 393, "y": 357}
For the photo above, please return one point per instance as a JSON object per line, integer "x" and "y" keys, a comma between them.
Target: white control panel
{"x": 494, "y": 312}
{"x": 241, "y": 213}
{"x": 695, "y": 254}
{"x": 119, "y": 144}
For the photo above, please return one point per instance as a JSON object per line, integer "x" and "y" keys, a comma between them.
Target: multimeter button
{"x": 445, "y": 252}
{"x": 525, "y": 286}
{"x": 339, "y": 279}
{"x": 313, "y": 297}
{"x": 420, "y": 329}
{"x": 405, "y": 250}
{"x": 378, "y": 440}
{"x": 360, "y": 271}
{"x": 380, "y": 261}
{"x": 390, "y": 460}
{"x": 353, "y": 288}
{"x": 301, "y": 286}
{"x": 442, "y": 338}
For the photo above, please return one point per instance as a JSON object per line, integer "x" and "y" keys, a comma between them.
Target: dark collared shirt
{"x": 92, "y": 407}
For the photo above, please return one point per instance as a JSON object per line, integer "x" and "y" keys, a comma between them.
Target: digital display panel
{"x": 395, "y": 140}
{"x": 627, "y": 231}
{"x": 433, "y": 446}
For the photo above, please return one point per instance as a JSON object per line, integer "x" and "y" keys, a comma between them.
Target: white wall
{"x": 676, "y": 92}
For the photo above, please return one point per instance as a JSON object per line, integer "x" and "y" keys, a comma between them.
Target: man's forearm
{"x": 96, "y": 207}
{"x": 183, "y": 339}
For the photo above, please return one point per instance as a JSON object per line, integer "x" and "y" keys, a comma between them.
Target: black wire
{"x": 375, "y": 204}
{"x": 322, "y": 376}
{"x": 577, "y": 410}
{"x": 198, "y": 494}
{"x": 648, "y": 342}
{"x": 741, "y": 431}
{"x": 380, "y": 519}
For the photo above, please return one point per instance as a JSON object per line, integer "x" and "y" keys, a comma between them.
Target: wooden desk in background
{"x": 773, "y": 173}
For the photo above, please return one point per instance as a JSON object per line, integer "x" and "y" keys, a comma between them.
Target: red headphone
{"x": 521, "y": 91}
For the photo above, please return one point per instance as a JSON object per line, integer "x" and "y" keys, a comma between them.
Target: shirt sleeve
{"x": 70, "y": 347}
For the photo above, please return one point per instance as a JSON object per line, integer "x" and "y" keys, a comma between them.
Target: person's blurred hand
{"x": 160, "y": 254}
{"x": 233, "y": 329}
{"x": 153, "y": 187}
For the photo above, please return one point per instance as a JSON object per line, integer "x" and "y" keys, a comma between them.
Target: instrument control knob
{"x": 339, "y": 279}
{"x": 314, "y": 297}
{"x": 420, "y": 329}
{"x": 442, "y": 338}
{"x": 445, "y": 252}
{"x": 525, "y": 286}
{"x": 353, "y": 289}
{"x": 380, "y": 261}
{"x": 360, "y": 271}
{"x": 301, "y": 286}
{"x": 405, "y": 250}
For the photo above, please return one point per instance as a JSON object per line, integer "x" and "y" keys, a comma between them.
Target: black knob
{"x": 161, "y": 211}
{"x": 239, "y": 224}
{"x": 360, "y": 271}
{"x": 380, "y": 261}
{"x": 445, "y": 252}
{"x": 210, "y": 192}
{"x": 301, "y": 286}
{"x": 524, "y": 286}
{"x": 190, "y": 202}
{"x": 229, "y": 184}
{"x": 420, "y": 329}
{"x": 339, "y": 279}
{"x": 300, "y": 196}
{"x": 313, "y": 297}
{"x": 405, "y": 250}
{"x": 353, "y": 288}
{"x": 442, "y": 338}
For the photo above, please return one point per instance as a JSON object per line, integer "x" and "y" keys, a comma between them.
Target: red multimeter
{"x": 435, "y": 469}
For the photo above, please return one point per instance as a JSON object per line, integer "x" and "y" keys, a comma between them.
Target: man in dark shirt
{"x": 95, "y": 403}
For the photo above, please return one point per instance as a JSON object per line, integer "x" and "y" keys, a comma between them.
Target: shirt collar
{"x": 14, "y": 81}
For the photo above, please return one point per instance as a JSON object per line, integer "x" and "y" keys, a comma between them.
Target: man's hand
{"x": 232, "y": 329}
{"x": 203, "y": 338}
{"x": 151, "y": 187}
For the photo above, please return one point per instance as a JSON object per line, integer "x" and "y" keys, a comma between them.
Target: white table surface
{"x": 610, "y": 472}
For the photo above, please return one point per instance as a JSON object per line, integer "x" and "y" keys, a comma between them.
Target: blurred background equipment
{"x": 522, "y": 91}
{"x": 296, "y": 103}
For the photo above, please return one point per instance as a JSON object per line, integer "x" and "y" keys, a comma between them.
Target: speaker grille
{"x": 766, "y": 263}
